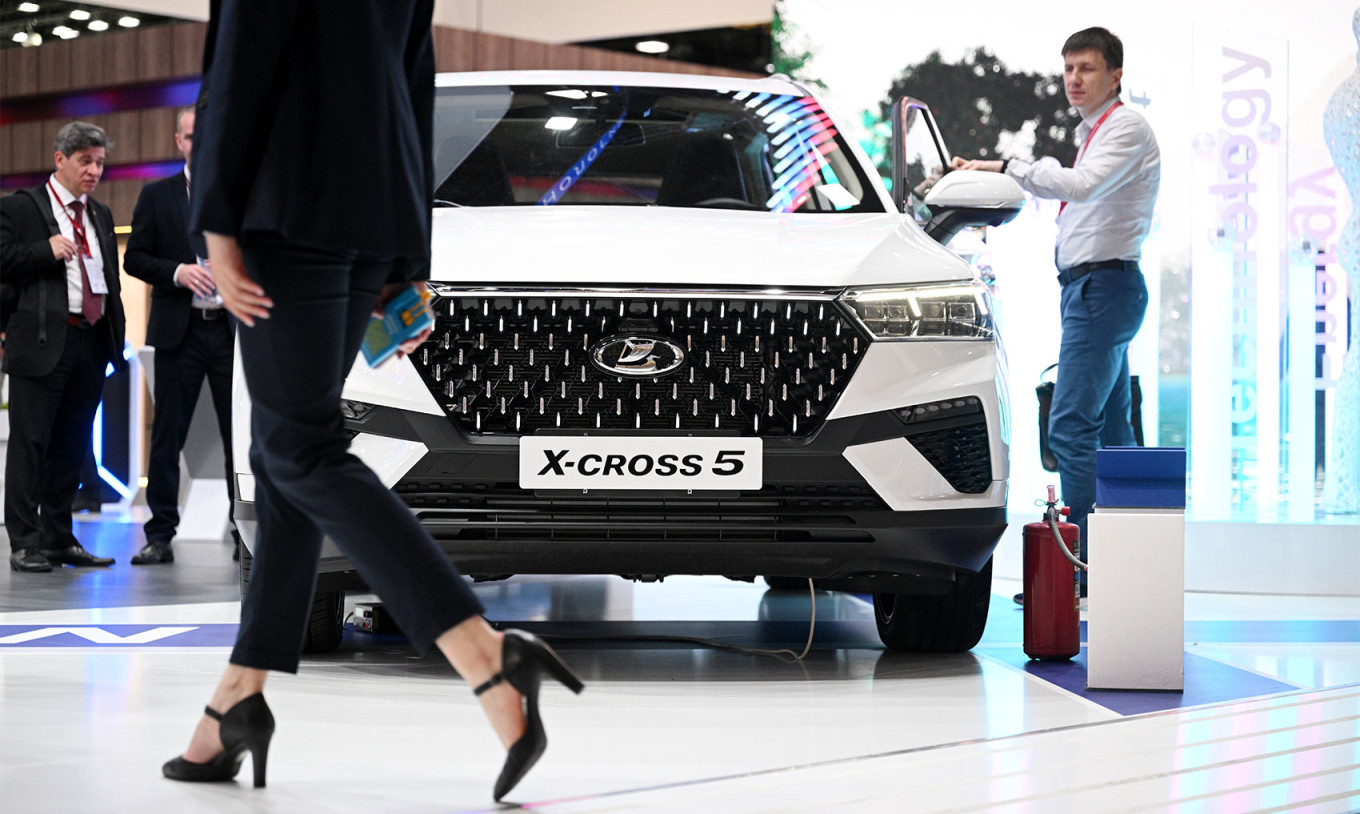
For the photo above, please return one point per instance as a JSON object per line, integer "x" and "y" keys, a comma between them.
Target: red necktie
{"x": 91, "y": 304}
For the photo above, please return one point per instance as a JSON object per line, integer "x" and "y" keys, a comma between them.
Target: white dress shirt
{"x": 1110, "y": 192}
{"x": 75, "y": 293}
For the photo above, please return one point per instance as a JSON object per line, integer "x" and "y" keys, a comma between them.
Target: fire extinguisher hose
{"x": 1052, "y": 516}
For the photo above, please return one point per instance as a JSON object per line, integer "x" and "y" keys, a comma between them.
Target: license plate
{"x": 640, "y": 462}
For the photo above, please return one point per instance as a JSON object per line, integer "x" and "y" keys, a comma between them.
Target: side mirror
{"x": 965, "y": 198}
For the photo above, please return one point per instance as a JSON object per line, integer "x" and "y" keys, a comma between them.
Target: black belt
{"x": 208, "y": 313}
{"x": 1071, "y": 275}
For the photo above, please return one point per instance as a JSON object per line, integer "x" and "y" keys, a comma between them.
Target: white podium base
{"x": 1135, "y": 618}
{"x": 204, "y": 513}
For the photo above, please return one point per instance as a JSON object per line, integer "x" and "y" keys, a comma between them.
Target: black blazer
{"x": 353, "y": 171}
{"x": 159, "y": 243}
{"x": 35, "y": 332}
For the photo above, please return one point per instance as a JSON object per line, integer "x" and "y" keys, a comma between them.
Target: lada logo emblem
{"x": 637, "y": 356}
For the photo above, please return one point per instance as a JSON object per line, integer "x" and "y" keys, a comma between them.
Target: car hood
{"x": 669, "y": 246}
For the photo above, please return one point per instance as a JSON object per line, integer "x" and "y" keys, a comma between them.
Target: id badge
{"x": 94, "y": 270}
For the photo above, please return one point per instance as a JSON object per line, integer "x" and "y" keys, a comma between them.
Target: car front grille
{"x": 506, "y": 363}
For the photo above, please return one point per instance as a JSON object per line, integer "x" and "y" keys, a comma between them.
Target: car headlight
{"x": 938, "y": 311}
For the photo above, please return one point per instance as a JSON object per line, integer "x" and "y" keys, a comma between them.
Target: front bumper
{"x": 873, "y": 500}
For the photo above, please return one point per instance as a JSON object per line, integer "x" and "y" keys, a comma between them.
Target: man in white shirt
{"x": 60, "y": 258}
{"x": 1109, "y": 195}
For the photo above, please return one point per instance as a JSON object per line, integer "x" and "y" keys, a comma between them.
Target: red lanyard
{"x": 77, "y": 228}
{"x": 1087, "y": 143}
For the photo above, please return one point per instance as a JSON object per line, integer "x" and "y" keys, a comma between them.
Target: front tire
{"x": 326, "y": 625}
{"x": 948, "y": 623}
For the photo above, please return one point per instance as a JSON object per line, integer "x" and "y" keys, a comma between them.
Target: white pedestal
{"x": 1135, "y": 626}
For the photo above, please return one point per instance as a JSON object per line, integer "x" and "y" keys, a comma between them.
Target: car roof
{"x": 780, "y": 84}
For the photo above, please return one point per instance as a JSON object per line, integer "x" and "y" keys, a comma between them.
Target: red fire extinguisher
{"x": 1052, "y": 587}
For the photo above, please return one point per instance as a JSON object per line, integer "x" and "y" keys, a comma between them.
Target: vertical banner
{"x": 1238, "y": 292}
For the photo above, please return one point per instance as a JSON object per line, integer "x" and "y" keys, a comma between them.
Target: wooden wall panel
{"x": 27, "y": 151}
{"x": 187, "y": 48}
{"x": 88, "y": 66}
{"x": 6, "y": 141}
{"x": 455, "y": 49}
{"x": 47, "y": 144}
{"x": 121, "y": 198}
{"x": 155, "y": 59}
{"x": 494, "y": 53}
{"x": 157, "y": 134}
{"x": 120, "y": 57}
{"x": 526, "y": 55}
{"x": 54, "y": 67}
{"x": 565, "y": 58}
{"x": 124, "y": 129}
{"x": 18, "y": 71}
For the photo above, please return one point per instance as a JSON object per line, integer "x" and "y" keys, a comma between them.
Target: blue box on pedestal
{"x": 1140, "y": 477}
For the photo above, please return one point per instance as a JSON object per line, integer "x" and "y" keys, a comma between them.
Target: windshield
{"x": 621, "y": 146}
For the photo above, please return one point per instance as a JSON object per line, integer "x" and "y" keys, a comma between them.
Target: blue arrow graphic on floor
{"x": 117, "y": 635}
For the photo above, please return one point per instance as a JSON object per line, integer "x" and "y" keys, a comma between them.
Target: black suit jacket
{"x": 159, "y": 243}
{"x": 35, "y": 332}
{"x": 314, "y": 125}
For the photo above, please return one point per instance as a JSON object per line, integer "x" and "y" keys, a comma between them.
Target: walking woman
{"x": 312, "y": 182}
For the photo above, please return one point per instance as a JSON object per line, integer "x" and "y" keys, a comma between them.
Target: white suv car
{"x": 681, "y": 328}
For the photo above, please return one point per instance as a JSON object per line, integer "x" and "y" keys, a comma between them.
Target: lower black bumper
{"x": 816, "y": 517}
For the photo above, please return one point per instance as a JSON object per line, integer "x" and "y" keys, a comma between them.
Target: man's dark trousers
{"x": 205, "y": 352}
{"x": 189, "y": 347}
{"x": 52, "y": 417}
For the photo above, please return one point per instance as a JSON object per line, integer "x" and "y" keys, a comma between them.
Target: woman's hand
{"x": 241, "y": 296}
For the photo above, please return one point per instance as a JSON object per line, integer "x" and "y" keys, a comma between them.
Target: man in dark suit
{"x": 59, "y": 255}
{"x": 189, "y": 330}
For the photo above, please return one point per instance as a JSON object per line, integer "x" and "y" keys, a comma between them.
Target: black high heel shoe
{"x": 524, "y": 659}
{"x": 246, "y": 726}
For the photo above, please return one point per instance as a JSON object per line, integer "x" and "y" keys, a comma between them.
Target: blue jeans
{"x": 1101, "y": 313}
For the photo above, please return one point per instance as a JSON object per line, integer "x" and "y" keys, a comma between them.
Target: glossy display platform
{"x": 103, "y": 674}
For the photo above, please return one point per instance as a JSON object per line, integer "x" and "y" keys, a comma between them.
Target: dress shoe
{"x": 153, "y": 554}
{"x": 524, "y": 659}
{"x": 74, "y": 555}
{"x": 246, "y": 727}
{"x": 28, "y": 559}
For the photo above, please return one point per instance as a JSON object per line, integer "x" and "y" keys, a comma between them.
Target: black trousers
{"x": 205, "y": 352}
{"x": 50, "y": 420}
{"x": 307, "y": 483}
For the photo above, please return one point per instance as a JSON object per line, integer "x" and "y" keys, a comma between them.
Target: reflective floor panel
{"x": 103, "y": 675}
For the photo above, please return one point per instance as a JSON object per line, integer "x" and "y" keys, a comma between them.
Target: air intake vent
{"x": 952, "y": 436}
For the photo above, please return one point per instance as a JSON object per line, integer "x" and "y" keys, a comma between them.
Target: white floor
{"x": 86, "y": 718}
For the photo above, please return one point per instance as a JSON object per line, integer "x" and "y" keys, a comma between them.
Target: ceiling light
{"x": 20, "y": 37}
{"x": 33, "y": 40}
{"x": 568, "y": 94}
{"x": 29, "y": 7}
{"x": 560, "y": 123}
{"x": 653, "y": 47}
{"x": 98, "y": 25}
{"x": 80, "y": 14}
{"x": 64, "y": 32}
{"x": 129, "y": 22}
